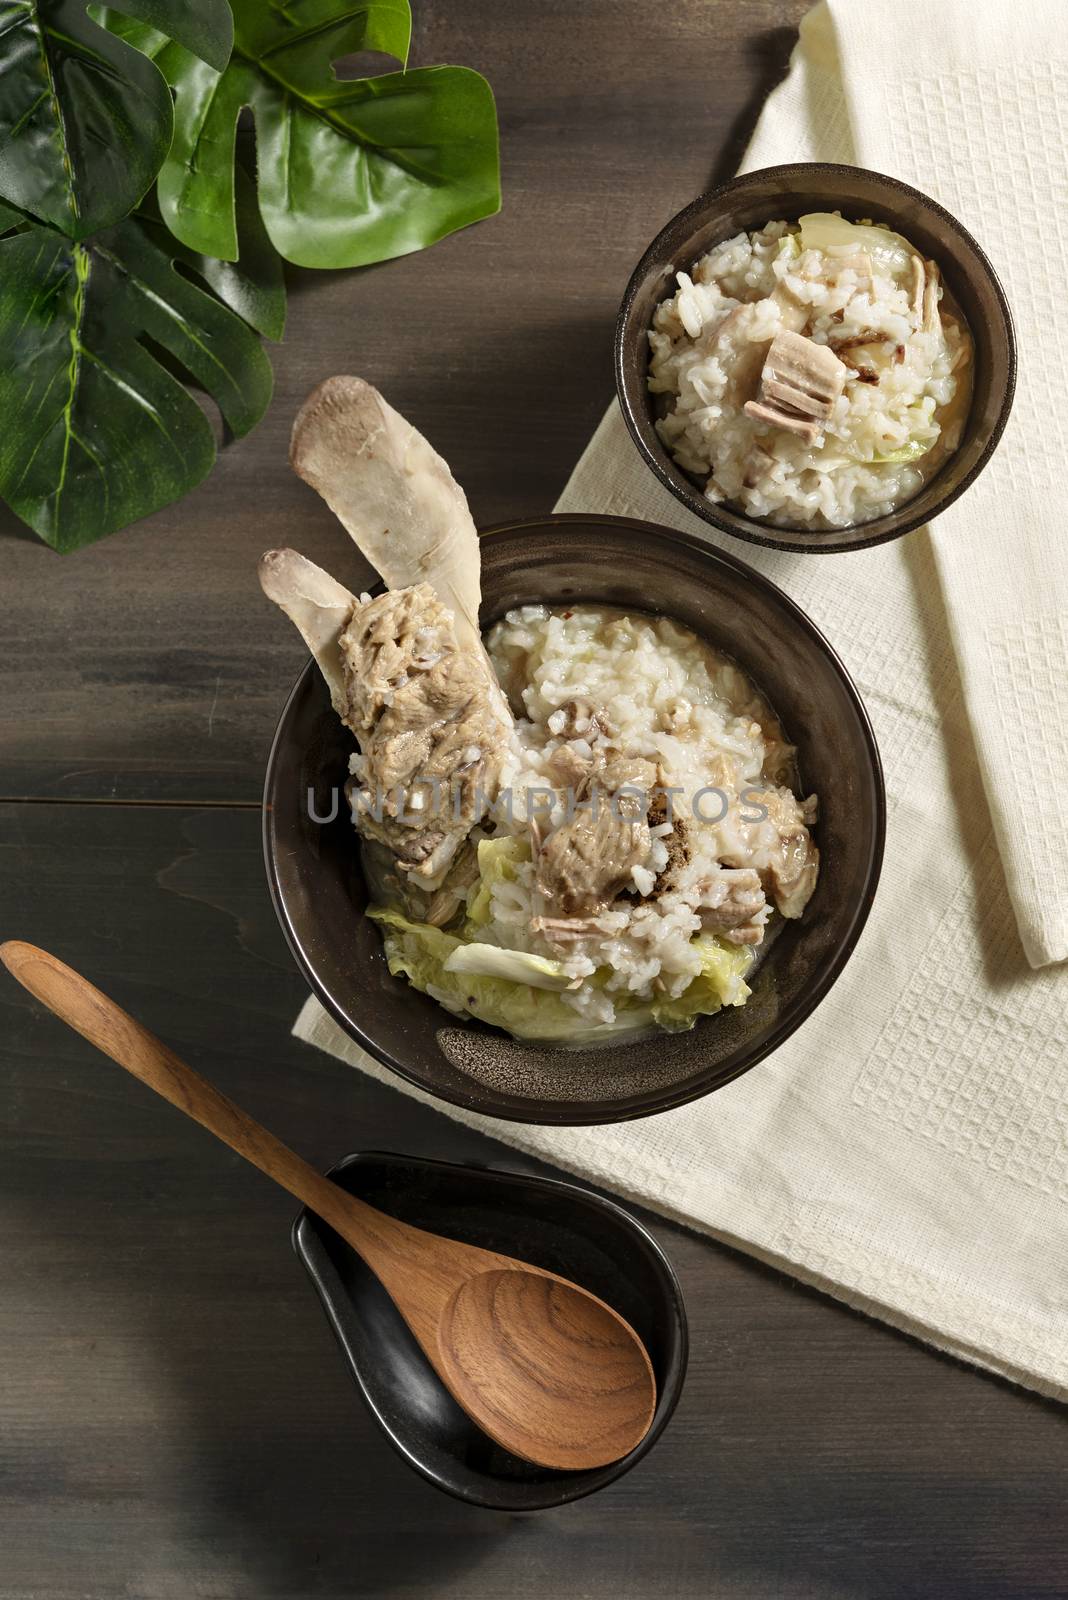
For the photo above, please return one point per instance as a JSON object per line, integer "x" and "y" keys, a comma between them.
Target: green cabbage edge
{"x": 419, "y": 952}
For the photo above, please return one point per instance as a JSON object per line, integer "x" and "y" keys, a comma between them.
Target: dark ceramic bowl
{"x": 319, "y": 893}
{"x": 554, "y": 1225}
{"x": 787, "y": 193}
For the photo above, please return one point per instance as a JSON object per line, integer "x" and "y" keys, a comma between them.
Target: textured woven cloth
{"x": 907, "y": 1149}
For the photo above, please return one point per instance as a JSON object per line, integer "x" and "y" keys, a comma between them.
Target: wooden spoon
{"x": 544, "y": 1367}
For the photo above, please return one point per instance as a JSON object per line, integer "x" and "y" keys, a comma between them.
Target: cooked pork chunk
{"x": 780, "y": 417}
{"x": 788, "y": 861}
{"x": 742, "y": 353}
{"x": 795, "y": 864}
{"x": 799, "y": 385}
{"x": 389, "y": 886}
{"x": 432, "y": 724}
{"x": 427, "y": 716}
{"x": 931, "y": 296}
{"x": 568, "y": 769}
{"x": 631, "y": 773}
{"x": 580, "y": 719}
{"x": 407, "y": 672}
{"x": 769, "y": 858}
{"x": 585, "y": 863}
{"x": 601, "y": 772}
{"x": 732, "y": 903}
{"x": 918, "y": 269}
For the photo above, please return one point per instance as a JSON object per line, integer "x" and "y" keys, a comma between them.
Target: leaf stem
{"x": 81, "y": 278}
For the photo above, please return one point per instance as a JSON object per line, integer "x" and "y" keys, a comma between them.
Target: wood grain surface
{"x": 542, "y": 1365}
{"x": 174, "y": 1418}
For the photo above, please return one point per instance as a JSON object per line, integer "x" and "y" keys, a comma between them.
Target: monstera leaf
{"x": 350, "y": 171}
{"x": 98, "y": 430}
{"x": 254, "y": 285}
{"x": 85, "y": 119}
{"x": 108, "y": 320}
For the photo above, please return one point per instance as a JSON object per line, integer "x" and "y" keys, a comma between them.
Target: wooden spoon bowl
{"x": 545, "y": 1399}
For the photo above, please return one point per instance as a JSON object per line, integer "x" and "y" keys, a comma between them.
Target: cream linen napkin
{"x": 907, "y": 1150}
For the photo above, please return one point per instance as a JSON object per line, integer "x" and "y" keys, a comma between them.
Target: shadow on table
{"x": 314, "y": 1497}
{"x": 13, "y": 530}
{"x": 220, "y": 1431}
{"x": 771, "y": 54}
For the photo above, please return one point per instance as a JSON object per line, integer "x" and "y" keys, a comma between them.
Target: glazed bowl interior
{"x": 313, "y": 866}
{"x": 787, "y": 193}
{"x": 558, "y": 1226}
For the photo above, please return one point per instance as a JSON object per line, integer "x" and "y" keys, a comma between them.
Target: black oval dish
{"x": 787, "y": 192}
{"x": 554, "y": 1225}
{"x": 320, "y": 895}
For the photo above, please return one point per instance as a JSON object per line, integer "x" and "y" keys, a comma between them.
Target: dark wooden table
{"x": 174, "y": 1420}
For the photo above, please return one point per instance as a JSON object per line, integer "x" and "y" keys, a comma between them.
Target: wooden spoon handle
{"x": 103, "y": 1023}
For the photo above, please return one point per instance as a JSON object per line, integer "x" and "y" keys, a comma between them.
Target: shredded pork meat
{"x": 583, "y": 865}
{"x": 426, "y": 713}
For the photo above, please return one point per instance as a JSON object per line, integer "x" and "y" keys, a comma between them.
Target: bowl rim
{"x": 667, "y": 1396}
{"x": 638, "y": 426}
{"x": 566, "y": 1113}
